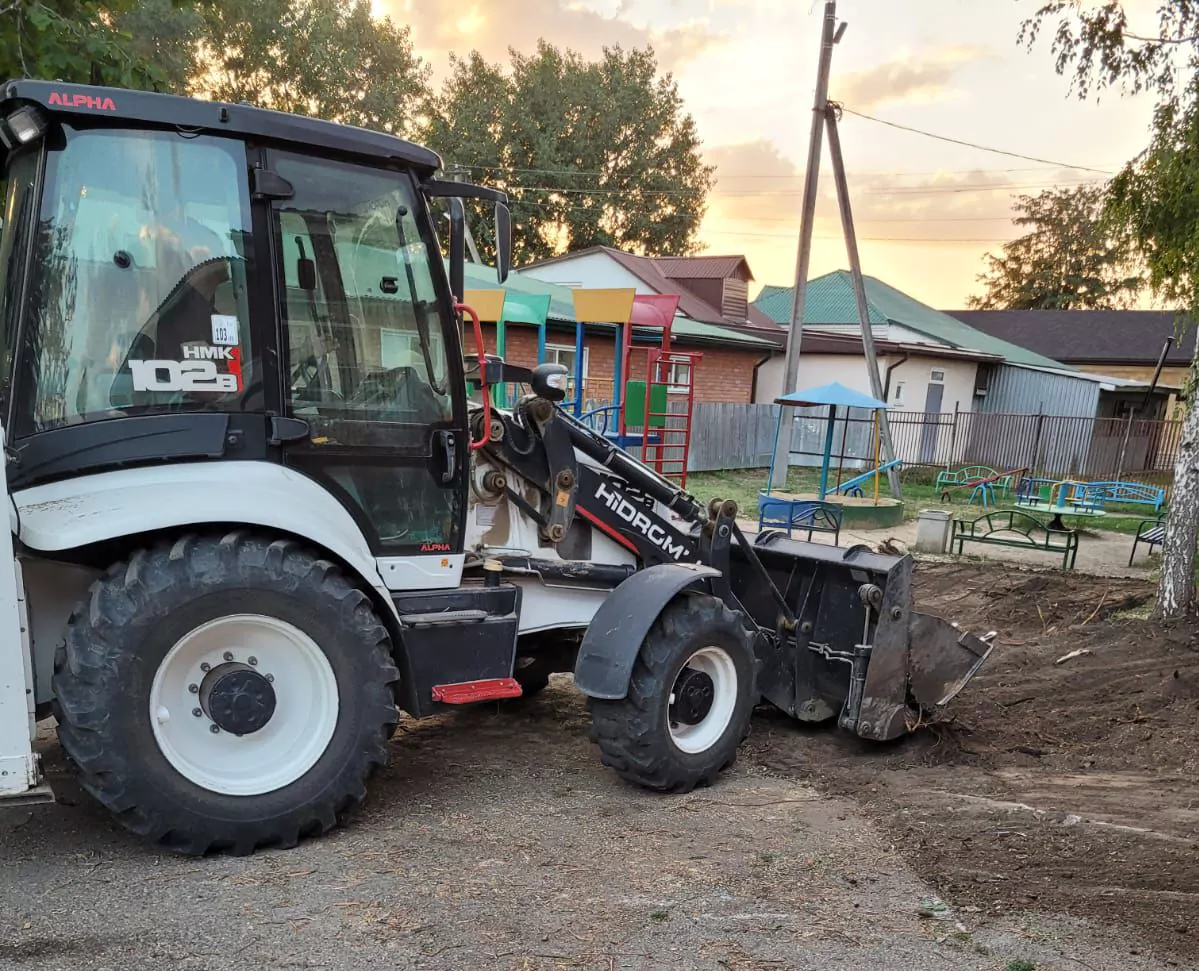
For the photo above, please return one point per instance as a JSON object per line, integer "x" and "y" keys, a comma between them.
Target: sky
{"x": 926, "y": 211}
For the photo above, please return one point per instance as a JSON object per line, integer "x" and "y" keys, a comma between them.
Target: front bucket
{"x": 908, "y": 680}
{"x": 941, "y": 659}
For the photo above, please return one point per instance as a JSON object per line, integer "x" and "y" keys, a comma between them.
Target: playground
{"x": 1104, "y": 543}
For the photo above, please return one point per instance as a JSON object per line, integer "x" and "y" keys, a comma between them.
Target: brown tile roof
{"x": 702, "y": 267}
{"x": 649, "y": 271}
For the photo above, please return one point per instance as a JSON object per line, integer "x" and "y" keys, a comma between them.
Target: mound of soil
{"x": 1055, "y": 783}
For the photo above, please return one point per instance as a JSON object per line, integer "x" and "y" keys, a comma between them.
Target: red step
{"x": 468, "y": 692}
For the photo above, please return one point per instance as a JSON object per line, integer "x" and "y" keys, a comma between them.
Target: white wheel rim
{"x": 716, "y": 663}
{"x": 282, "y": 751}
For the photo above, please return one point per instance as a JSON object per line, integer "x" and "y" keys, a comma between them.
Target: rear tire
{"x": 689, "y": 701}
{"x": 305, "y": 723}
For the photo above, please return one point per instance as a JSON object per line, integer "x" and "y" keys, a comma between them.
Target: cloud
{"x": 926, "y": 78}
{"x": 493, "y": 26}
{"x": 909, "y": 221}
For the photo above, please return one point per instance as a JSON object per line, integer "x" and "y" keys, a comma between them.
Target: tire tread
{"x": 89, "y": 668}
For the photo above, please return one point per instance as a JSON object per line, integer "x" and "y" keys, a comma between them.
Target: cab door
{"x": 367, "y": 340}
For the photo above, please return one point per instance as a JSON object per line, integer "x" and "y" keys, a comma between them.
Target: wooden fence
{"x": 732, "y": 436}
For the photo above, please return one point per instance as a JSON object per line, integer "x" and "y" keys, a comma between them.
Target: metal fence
{"x": 1089, "y": 448}
{"x": 731, "y": 436}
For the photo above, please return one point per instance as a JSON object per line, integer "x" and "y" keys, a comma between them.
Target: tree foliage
{"x": 591, "y": 153}
{"x": 327, "y": 58}
{"x": 1155, "y": 197}
{"x": 1072, "y": 258}
{"x": 78, "y": 41}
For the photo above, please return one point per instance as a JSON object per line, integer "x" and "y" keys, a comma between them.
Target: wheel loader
{"x": 259, "y": 501}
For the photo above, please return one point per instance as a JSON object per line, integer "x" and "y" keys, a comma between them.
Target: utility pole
{"x": 859, "y": 291}
{"x": 828, "y": 38}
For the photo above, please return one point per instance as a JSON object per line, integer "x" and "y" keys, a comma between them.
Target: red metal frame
{"x": 671, "y": 439}
{"x": 649, "y": 310}
{"x": 478, "y": 326}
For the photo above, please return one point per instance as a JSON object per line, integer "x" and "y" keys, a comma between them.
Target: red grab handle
{"x": 478, "y": 326}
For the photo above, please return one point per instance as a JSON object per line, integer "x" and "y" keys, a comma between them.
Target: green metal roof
{"x": 562, "y": 307}
{"x": 830, "y": 300}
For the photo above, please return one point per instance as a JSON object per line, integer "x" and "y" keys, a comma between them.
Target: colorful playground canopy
{"x": 835, "y": 394}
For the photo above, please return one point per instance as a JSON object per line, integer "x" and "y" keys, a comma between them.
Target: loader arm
{"x": 833, "y": 629}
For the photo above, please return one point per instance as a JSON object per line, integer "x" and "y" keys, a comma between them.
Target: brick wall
{"x": 724, "y": 374}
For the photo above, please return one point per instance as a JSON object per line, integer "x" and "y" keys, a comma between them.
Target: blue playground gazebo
{"x": 835, "y": 396}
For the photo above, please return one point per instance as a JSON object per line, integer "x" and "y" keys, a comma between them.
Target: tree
{"x": 165, "y": 33}
{"x": 77, "y": 41}
{"x": 326, "y": 58}
{"x": 591, "y": 153}
{"x": 1156, "y": 198}
{"x": 1074, "y": 258}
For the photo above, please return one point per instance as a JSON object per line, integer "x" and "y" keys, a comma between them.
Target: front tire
{"x": 226, "y": 693}
{"x": 689, "y": 701}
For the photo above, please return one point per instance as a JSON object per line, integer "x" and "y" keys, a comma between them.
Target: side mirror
{"x": 549, "y": 381}
{"x": 457, "y": 248}
{"x": 306, "y": 274}
{"x": 305, "y": 268}
{"x": 503, "y": 241}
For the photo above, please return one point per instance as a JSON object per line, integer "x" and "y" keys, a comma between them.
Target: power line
{"x": 864, "y": 239}
{"x": 747, "y": 193}
{"x": 495, "y": 167}
{"x": 981, "y": 148}
{"x": 791, "y": 236}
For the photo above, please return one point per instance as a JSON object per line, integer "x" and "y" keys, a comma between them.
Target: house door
{"x": 932, "y": 422}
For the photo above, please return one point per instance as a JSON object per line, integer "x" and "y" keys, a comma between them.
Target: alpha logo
{"x": 196, "y": 373}
{"x": 640, "y": 521}
{"x": 435, "y": 548}
{"x": 68, "y": 100}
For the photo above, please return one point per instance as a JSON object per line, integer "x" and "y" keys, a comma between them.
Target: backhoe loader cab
{"x": 254, "y": 511}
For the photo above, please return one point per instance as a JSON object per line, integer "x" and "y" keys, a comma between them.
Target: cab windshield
{"x": 138, "y": 286}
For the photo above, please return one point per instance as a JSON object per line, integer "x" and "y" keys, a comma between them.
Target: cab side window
{"x": 364, "y": 335}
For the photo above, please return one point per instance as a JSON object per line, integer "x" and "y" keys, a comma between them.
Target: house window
{"x": 679, "y": 380}
{"x": 897, "y": 394}
{"x": 936, "y": 376}
{"x": 564, "y": 354}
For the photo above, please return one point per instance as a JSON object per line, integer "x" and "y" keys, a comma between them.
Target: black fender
{"x": 605, "y": 662}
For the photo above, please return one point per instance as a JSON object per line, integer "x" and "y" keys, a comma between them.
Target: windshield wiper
{"x": 420, "y": 308}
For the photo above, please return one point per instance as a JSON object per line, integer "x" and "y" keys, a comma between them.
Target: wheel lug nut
{"x": 198, "y": 712}
{"x": 194, "y": 688}
{"x": 214, "y": 729}
{"x": 205, "y": 666}
{"x": 228, "y": 655}
{"x": 253, "y": 660}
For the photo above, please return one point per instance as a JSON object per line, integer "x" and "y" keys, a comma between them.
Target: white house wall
{"x": 593, "y": 270}
{"x": 850, "y": 370}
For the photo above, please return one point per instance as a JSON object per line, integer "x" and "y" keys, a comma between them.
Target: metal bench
{"x": 973, "y": 474}
{"x": 1131, "y": 492}
{"x": 807, "y": 515}
{"x": 1018, "y": 530}
{"x": 1151, "y": 532}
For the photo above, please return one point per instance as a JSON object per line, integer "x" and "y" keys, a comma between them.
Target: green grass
{"x": 1020, "y": 966}
{"x": 919, "y": 492}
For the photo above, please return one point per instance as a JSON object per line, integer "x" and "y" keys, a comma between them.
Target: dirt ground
{"x": 1053, "y": 811}
{"x": 1066, "y": 785}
